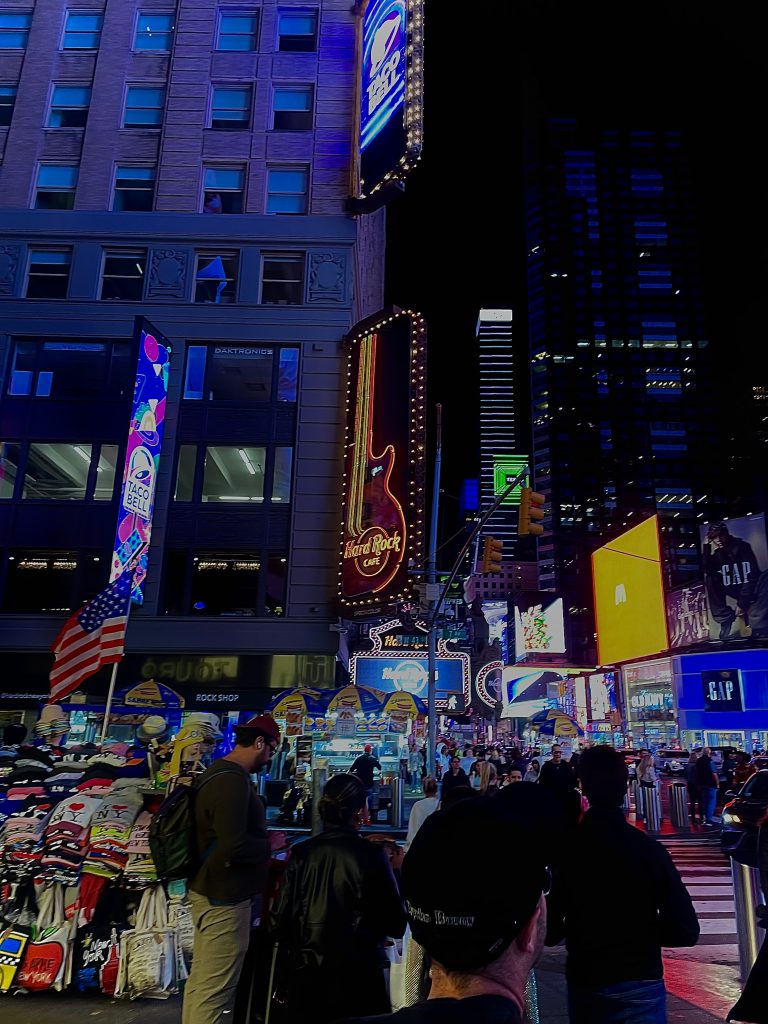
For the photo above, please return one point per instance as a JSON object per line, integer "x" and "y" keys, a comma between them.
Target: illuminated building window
{"x": 122, "y": 278}
{"x": 69, "y": 106}
{"x": 185, "y": 473}
{"x": 134, "y": 189}
{"x": 238, "y": 30}
{"x": 9, "y": 468}
{"x": 106, "y": 472}
{"x": 233, "y": 583}
{"x": 223, "y": 189}
{"x": 297, "y": 31}
{"x": 48, "y": 275}
{"x": 231, "y": 107}
{"x": 82, "y": 31}
{"x": 282, "y": 278}
{"x": 234, "y": 474}
{"x": 292, "y": 108}
{"x": 56, "y": 184}
{"x": 287, "y": 189}
{"x": 7, "y": 103}
{"x": 144, "y": 105}
{"x": 14, "y": 29}
{"x": 57, "y": 471}
{"x": 52, "y": 581}
{"x": 154, "y": 33}
{"x": 70, "y": 369}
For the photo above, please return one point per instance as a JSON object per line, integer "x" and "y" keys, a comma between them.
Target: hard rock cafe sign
{"x": 384, "y": 462}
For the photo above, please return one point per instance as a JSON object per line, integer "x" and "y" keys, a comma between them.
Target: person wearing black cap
{"x": 615, "y": 973}
{"x": 337, "y": 905}
{"x": 483, "y": 940}
{"x": 232, "y": 835}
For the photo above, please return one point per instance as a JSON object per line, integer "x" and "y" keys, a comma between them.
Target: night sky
{"x": 455, "y": 237}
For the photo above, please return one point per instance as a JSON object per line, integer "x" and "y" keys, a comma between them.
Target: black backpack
{"x": 173, "y": 834}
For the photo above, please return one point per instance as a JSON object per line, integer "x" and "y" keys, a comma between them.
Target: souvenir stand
{"x": 80, "y": 902}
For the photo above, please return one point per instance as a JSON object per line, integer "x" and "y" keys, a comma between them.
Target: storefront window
{"x": 9, "y": 465}
{"x": 650, "y": 703}
{"x": 185, "y": 473}
{"x": 281, "y": 486}
{"x": 70, "y": 369}
{"x": 288, "y": 380}
{"x": 52, "y": 581}
{"x": 105, "y": 473}
{"x": 240, "y": 373}
{"x": 225, "y": 584}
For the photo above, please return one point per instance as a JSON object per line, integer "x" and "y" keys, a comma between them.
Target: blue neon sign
{"x": 384, "y": 67}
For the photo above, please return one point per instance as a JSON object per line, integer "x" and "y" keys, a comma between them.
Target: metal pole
{"x": 431, "y": 602}
{"x": 747, "y": 896}
{"x": 108, "y": 708}
{"x": 396, "y": 808}
{"x": 319, "y": 777}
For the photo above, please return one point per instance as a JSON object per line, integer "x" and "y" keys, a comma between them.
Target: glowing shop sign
{"x": 384, "y": 462}
{"x": 142, "y": 458}
{"x": 384, "y": 70}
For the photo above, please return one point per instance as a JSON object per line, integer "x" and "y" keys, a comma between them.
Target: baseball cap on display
{"x": 264, "y": 724}
{"x": 465, "y": 925}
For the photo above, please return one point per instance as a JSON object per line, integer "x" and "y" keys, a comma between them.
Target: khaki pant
{"x": 222, "y": 934}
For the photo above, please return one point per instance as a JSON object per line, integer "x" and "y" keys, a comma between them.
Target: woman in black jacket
{"x": 338, "y": 904}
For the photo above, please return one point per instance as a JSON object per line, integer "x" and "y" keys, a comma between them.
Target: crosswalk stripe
{"x": 706, "y": 874}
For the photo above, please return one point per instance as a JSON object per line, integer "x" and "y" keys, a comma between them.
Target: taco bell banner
{"x": 142, "y": 458}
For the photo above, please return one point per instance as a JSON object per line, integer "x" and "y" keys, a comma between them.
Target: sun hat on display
{"x": 208, "y": 721}
{"x": 153, "y": 727}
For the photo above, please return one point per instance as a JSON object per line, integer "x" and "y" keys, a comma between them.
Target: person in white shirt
{"x": 422, "y": 809}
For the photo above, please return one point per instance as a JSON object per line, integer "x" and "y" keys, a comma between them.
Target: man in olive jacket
{"x": 235, "y": 848}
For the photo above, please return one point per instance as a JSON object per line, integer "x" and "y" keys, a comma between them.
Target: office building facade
{"x": 625, "y": 376}
{"x": 190, "y": 163}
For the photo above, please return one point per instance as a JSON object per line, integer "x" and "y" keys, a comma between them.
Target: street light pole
{"x": 435, "y": 594}
{"x": 431, "y": 600}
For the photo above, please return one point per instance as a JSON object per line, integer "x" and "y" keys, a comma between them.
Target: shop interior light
{"x": 248, "y": 464}
{"x": 82, "y": 453}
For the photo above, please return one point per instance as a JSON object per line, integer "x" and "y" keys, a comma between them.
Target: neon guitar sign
{"x": 375, "y": 531}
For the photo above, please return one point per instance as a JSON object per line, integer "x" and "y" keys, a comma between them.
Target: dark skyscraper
{"x": 627, "y": 382}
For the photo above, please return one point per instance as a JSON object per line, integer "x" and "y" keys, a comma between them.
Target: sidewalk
{"x": 698, "y": 993}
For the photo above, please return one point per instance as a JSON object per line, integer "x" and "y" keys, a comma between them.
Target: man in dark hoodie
{"x": 731, "y": 570}
{"x": 612, "y": 980}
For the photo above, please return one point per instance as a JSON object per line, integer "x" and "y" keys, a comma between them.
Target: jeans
{"x": 629, "y": 1002}
{"x": 708, "y": 798}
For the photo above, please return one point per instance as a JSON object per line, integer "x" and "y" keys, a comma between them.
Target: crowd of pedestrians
{"x": 346, "y": 904}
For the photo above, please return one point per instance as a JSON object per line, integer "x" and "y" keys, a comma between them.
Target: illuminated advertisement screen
{"x": 402, "y": 671}
{"x": 602, "y": 695}
{"x": 142, "y": 459}
{"x": 687, "y": 616}
{"x": 734, "y": 555}
{"x": 539, "y": 624}
{"x": 496, "y": 615}
{"x": 629, "y": 597}
{"x": 528, "y": 689}
{"x": 390, "y": 93}
{"x": 384, "y": 462}
{"x": 505, "y": 469}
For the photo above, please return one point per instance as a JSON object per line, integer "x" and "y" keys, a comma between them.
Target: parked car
{"x": 671, "y": 761}
{"x": 741, "y": 816}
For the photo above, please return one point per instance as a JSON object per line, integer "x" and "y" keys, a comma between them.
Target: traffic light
{"x": 492, "y": 554}
{"x": 531, "y": 508}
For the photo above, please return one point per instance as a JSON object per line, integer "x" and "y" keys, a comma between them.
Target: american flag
{"x": 90, "y": 638}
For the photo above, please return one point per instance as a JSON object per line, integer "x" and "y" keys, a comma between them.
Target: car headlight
{"x": 729, "y": 818}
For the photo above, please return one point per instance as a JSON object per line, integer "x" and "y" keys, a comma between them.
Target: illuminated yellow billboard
{"x": 629, "y": 595}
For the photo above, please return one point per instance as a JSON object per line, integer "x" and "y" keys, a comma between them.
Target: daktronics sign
{"x": 629, "y": 597}
{"x": 391, "y": 87}
{"x": 142, "y": 458}
{"x": 382, "y": 525}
